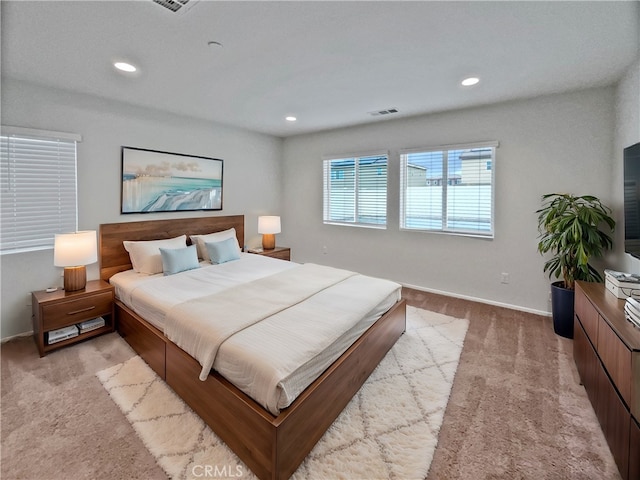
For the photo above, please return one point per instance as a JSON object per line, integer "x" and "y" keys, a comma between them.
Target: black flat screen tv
{"x": 632, "y": 200}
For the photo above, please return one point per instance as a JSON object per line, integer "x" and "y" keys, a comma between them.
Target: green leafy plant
{"x": 571, "y": 228}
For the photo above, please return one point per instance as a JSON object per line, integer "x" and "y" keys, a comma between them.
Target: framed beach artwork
{"x": 155, "y": 181}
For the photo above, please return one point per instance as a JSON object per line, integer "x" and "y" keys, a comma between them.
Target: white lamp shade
{"x": 269, "y": 224}
{"x": 75, "y": 249}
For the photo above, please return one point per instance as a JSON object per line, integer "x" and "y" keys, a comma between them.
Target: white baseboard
{"x": 479, "y": 300}
{"x": 24, "y": 334}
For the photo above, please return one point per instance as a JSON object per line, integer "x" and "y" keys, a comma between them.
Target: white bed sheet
{"x": 152, "y": 296}
{"x": 254, "y": 357}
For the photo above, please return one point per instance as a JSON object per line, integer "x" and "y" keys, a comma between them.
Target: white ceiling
{"x": 328, "y": 63}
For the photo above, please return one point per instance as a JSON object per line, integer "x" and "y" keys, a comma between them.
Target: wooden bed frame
{"x": 271, "y": 446}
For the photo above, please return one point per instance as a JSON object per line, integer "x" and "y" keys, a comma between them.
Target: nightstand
{"x": 283, "y": 253}
{"x": 59, "y": 309}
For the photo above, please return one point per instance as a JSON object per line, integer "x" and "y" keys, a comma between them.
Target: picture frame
{"x": 156, "y": 181}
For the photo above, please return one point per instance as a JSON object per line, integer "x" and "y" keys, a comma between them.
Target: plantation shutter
{"x": 38, "y": 188}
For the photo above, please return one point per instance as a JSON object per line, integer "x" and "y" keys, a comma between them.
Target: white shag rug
{"x": 388, "y": 430}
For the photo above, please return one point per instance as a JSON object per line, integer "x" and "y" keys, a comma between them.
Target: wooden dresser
{"x": 606, "y": 350}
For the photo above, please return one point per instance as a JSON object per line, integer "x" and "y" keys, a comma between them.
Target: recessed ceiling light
{"x": 125, "y": 67}
{"x": 290, "y": 118}
{"x": 467, "y": 82}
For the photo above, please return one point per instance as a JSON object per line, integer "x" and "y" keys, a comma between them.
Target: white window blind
{"x": 38, "y": 188}
{"x": 449, "y": 189}
{"x": 355, "y": 190}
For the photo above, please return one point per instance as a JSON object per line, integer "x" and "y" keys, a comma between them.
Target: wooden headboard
{"x": 114, "y": 258}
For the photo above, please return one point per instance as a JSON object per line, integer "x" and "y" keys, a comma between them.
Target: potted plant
{"x": 572, "y": 229}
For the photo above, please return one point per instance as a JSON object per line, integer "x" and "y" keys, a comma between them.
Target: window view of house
{"x": 448, "y": 190}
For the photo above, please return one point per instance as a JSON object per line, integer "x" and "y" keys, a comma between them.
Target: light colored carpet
{"x": 388, "y": 430}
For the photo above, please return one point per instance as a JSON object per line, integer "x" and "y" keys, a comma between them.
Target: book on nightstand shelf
{"x": 54, "y": 336}
{"x": 92, "y": 324}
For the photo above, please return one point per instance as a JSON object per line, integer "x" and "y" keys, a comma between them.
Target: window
{"x": 38, "y": 188}
{"x": 448, "y": 189}
{"x": 355, "y": 190}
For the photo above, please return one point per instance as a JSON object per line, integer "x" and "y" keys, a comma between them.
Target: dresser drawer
{"x": 77, "y": 310}
{"x": 587, "y": 315}
{"x": 616, "y": 358}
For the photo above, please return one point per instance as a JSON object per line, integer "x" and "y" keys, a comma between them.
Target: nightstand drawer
{"x": 76, "y": 310}
{"x": 281, "y": 254}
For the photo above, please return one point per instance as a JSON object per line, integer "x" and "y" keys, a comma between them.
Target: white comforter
{"x": 201, "y": 325}
{"x": 287, "y": 346}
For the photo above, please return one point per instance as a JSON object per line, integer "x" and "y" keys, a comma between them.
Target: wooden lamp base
{"x": 268, "y": 241}
{"x": 75, "y": 278}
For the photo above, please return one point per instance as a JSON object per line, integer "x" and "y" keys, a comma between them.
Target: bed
{"x": 272, "y": 444}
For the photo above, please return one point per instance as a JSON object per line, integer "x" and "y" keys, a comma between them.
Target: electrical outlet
{"x": 505, "y": 278}
{"x": 324, "y": 250}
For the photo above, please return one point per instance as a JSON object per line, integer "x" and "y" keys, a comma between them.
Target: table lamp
{"x": 73, "y": 251}
{"x": 268, "y": 226}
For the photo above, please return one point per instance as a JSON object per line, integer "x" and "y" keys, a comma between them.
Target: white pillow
{"x": 200, "y": 240}
{"x": 145, "y": 255}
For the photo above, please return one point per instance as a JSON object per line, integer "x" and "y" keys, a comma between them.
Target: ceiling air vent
{"x": 176, "y": 6}
{"x": 383, "y": 112}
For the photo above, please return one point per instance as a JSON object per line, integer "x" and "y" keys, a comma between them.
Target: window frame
{"x": 403, "y": 156}
{"x": 326, "y": 188}
{"x": 44, "y": 240}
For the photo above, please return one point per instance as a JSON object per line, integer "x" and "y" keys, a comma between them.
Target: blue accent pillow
{"x": 223, "y": 251}
{"x": 175, "y": 260}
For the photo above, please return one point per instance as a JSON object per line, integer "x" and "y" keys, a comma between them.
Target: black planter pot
{"x": 562, "y": 309}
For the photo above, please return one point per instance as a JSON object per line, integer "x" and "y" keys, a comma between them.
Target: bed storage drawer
{"x": 215, "y": 401}
{"x": 150, "y": 346}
